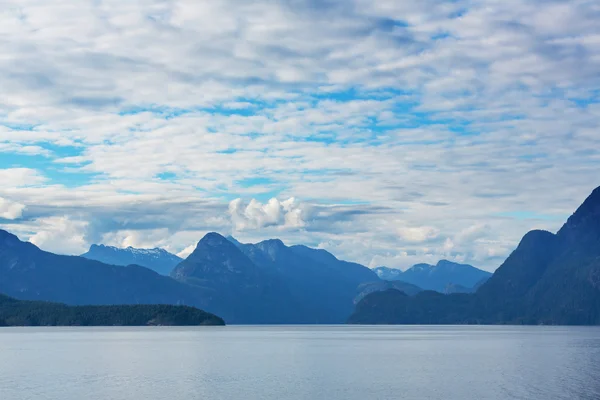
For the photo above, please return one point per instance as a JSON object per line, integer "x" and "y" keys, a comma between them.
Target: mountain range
{"x": 549, "y": 279}
{"x": 29, "y": 273}
{"x": 273, "y": 283}
{"x": 261, "y": 283}
{"x": 325, "y": 285}
{"x": 444, "y": 277}
{"x": 158, "y": 260}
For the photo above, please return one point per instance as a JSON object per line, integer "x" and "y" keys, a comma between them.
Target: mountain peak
{"x": 7, "y": 238}
{"x": 217, "y": 259}
{"x": 534, "y": 237}
{"x": 388, "y": 274}
{"x": 233, "y": 240}
{"x": 538, "y": 239}
{"x": 273, "y": 248}
{"x": 213, "y": 239}
{"x": 420, "y": 267}
{"x": 156, "y": 259}
{"x": 442, "y": 263}
{"x": 586, "y": 217}
{"x": 273, "y": 243}
{"x": 451, "y": 264}
{"x": 437, "y": 277}
{"x": 98, "y": 247}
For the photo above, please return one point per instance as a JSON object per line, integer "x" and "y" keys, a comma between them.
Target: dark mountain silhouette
{"x": 444, "y": 277}
{"x": 28, "y": 273}
{"x": 237, "y": 288}
{"x": 348, "y": 270}
{"x": 263, "y": 283}
{"x": 158, "y": 260}
{"x": 452, "y": 288}
{"x": 389, "y": 274}
{"x": 381, "y": 286}
{"x": 15, "y": 312}
{"x": 293, "y": 284}
{"x": 548, "y": 279}
{"x": 316, "y": 278}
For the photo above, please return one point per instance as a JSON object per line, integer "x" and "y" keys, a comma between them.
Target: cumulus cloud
{"x": 10, "y": 210}
{"x": 256, "y": 215}
{"x": 60, "y": 235}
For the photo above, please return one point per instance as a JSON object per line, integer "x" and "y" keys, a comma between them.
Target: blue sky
{"x": 387, "y": 133}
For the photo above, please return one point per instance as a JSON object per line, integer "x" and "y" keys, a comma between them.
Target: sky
{"x": 387, "y": 132}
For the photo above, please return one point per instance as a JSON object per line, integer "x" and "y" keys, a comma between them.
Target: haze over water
{"x": 300, "y": 362}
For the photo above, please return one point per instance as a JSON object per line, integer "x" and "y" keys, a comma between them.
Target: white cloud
{"x": 448, "y": 245}
{"x": 141, "y": 239}
{"x": 435, "y": 116}
{"x": 472, "y": 233}
{"x": 187, "y": 251}
{"x": 10, "y": 210}
{"x": 60, "y": 235}
{"x": 418, "y": 234}
{"x": 255, "y": 215}
{"x": 20, "y": 177}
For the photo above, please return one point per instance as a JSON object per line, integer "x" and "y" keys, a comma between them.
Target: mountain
{"x": 36, "y": 313}
{"x": 427, "y": 307}
{"x": 388, "y": 274}
{"x": 381, "y": 286}
{"x": 325, "y": 286}
{"x": 443, "y": 277}
{"x": 452, "y": 288}
{"x": 158, "y": 260}
{"x": 272, "y": 282}
{"x": 265, "y": 283}
{"x": 28, "y": 273}
{"x": 238, "y": 289}
{"x": 548, "y": 279}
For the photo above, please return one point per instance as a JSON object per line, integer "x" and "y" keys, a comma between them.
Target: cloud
{"x": 10, "y": 210}
{"x": 187, "y": 251}
{"x": 60, "y": 235}
{"x": 20, "y": 177}
{"x": 472, "y": 233}
{"x": 444, "y": 118}
{"x": 256, "y": 215}
{"x": 148, "y": 238}
{"x": 418, "y": 234}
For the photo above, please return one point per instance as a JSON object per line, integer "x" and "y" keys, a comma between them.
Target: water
{"x": 278, "y": 363}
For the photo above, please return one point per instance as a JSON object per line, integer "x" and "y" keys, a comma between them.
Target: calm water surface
{"x": 278, "y": 363}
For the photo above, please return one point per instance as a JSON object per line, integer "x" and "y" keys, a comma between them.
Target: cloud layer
{"x": 403, "y": 132}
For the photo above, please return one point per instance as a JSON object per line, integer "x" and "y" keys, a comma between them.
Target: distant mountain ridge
{"x": 366, "y": 289}
{"x": 29, "y": 273}
{"x": 158, "y": 260}
{"x": 444, "y": 277}
{"x": 548, "y": 279}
